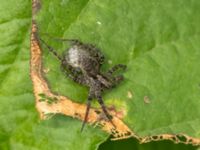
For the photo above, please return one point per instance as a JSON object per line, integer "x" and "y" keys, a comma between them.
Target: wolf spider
{"x": 82, "y": 63}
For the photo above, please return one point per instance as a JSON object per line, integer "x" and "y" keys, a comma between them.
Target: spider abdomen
{"x": 73, "y": 57}
{"x": 81, "y": 58}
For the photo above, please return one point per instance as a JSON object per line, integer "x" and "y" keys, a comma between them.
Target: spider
{"x": 82, "y": 63}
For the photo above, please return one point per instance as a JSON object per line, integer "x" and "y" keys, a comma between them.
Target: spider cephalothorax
{"x": 82, "y": 63}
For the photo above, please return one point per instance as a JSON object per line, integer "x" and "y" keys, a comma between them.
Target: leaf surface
{"x": 20, "y": 127}
{"x": 158, "y": 41}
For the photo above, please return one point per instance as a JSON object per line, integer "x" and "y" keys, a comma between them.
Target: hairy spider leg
{"x": 74, "y": 41}
{"x": 78, "y": 78}
{"x": 71, "y": 41}
{"x": 112, "y": 80}
{"x": 117, "y": 80}
{"x": 103, "y": 107}
{"x": 73, "y": 75}
{"x": 51, "y": 49}
{"x": 104, "y": 80}
{"x": 115, "y": 68}
{"x": 87, "y": 111}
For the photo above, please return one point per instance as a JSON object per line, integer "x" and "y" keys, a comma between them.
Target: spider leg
{"x": 109, "y": 75}
{"x": 103, "y": 79}
{"x": 87, "y": 111}
{"x": 74, "y": 75}
{"x": 60, "y": 39}
{"x": 79, "y": 79}
{"x": 117, "y": 79}
{"x": 71, "y": 41}
{"x": 103, "y": 107}
{"x": 111, "y": 81}
{"x": 115, "y": 68}
{"x": 100, "y": 58}
{"x": 51, "y": 49}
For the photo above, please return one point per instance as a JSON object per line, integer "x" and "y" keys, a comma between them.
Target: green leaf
{"x": 129, "y": 144}
{"x": 158, "y": 41}
{"x": 42, "y": 95}
{"x": 20, "y": 127}
{"x": 42, "y": 100}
